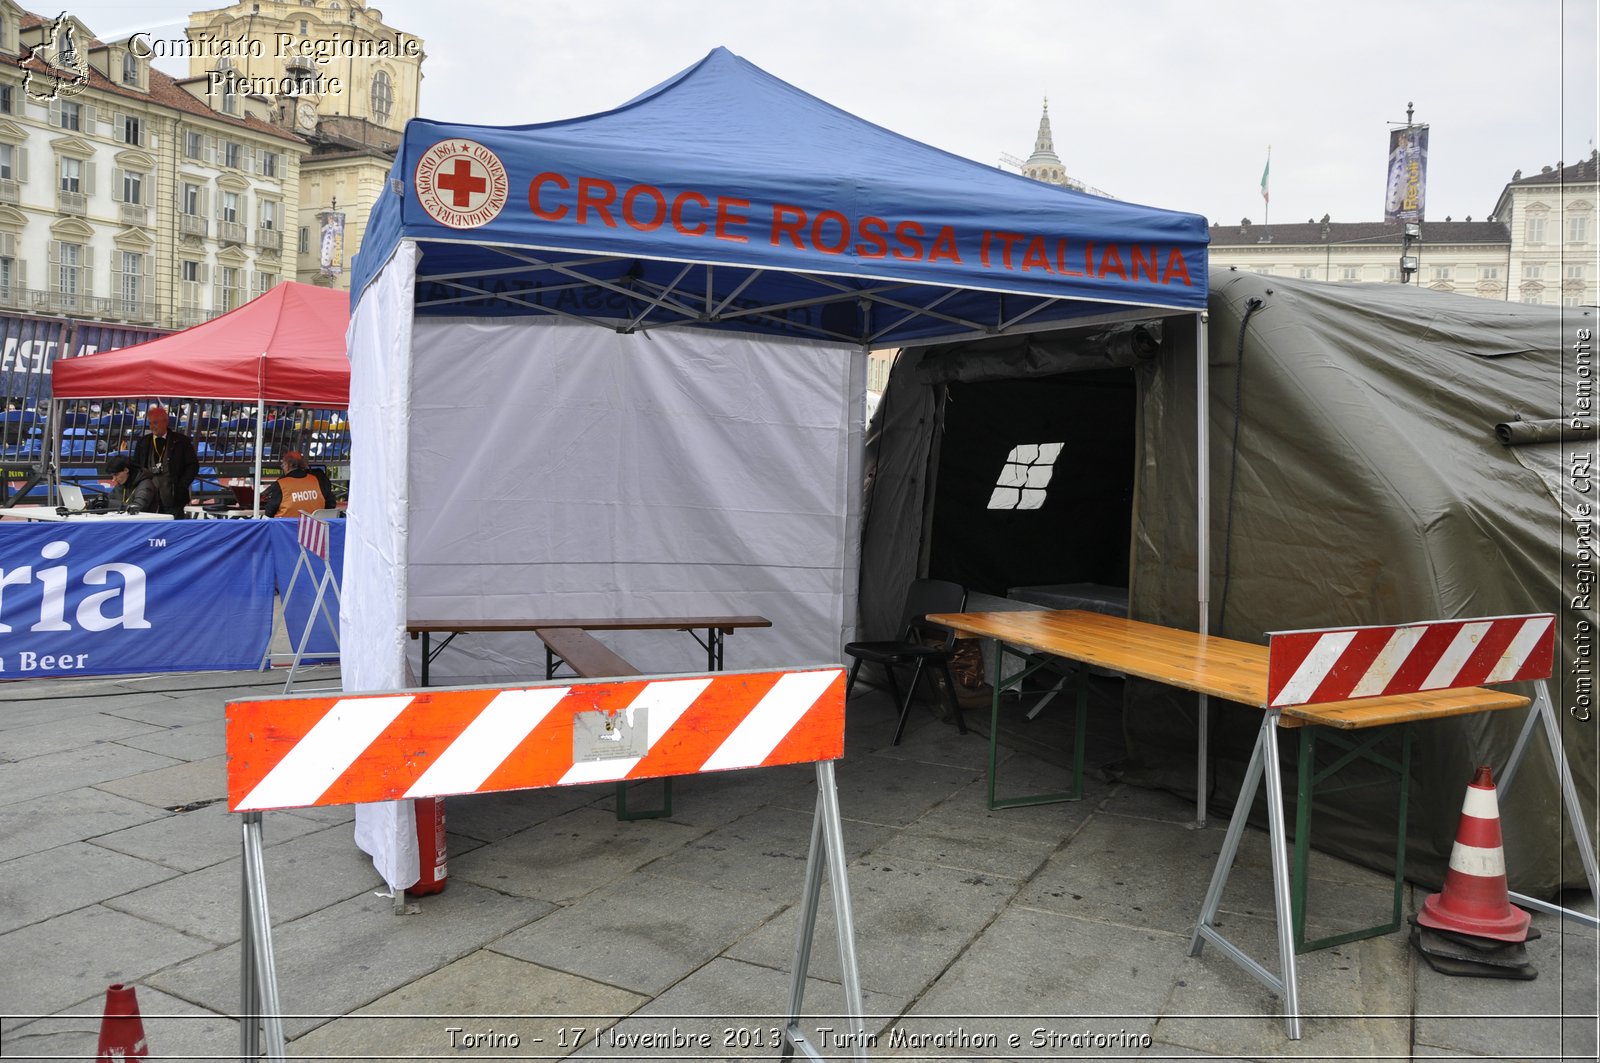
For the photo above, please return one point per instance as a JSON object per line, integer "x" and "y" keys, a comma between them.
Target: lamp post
{"x": 1408, "y": 258}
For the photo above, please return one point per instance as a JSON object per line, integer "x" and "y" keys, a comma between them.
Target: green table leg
{"x": 1002, "y": 683}
{"x": 654, "y": 813}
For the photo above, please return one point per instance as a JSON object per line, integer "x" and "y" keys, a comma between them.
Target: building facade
{"x": 127, "y": 195}
{"x": 336, "y": 75}
{"x": 1538, "y": 245}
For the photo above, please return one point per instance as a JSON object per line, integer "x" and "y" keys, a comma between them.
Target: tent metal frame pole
{"x": 1202, "y": 478}
{"x": 261, "y": 427}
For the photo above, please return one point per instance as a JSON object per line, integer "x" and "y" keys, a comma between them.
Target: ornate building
{"x": 333, "y": 73}
{"x": 1537, "y": 246}
{"x": 125, "y": 195}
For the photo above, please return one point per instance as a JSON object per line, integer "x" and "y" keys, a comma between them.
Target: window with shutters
{"x": 191, "y": 198}
{"x": 130, "y": 69}
{"x": 69, "y": 115}
{"x": 8, "y": 98}
{"x": 132, "y": 130}
{"x": 269, "y": 214}
{"x": 269, "y": 164}
{"x": 230, "y": 289}
{"x": 230, "y": 154}
{"x": 71, "y": 175}
{"x": 193, "y": 145}
{"x": 70, "y": 277}
{"x": 8, "y": 162}
{"x": 12, "y": 281}
{"x": 265, "y": 282}
{"x": 1535, "y": 231}
{"x": 132, "y": 187}
{"x": 230, "y": 206}
{"x": 305, "y": 239}
{"x": 1578, "y": 228}
{"x": 130, "y": 283}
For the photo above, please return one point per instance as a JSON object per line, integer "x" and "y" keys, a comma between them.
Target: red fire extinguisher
{"x": 430, "y": 846}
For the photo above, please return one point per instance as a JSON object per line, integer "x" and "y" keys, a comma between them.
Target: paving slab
{"x": 183, "y": 741}
{"x": 54, "y": 773}
{"x": 30, "y": 708}
{"x": 1035, "y": 970}
{"x": 42, "y": 823}
{"x": 962, "y": 845}
{"x": 911, "y": 919}
{"x": 1355, "y": 999}
{"x": 346, "y": 956}
{"x": 484, "y": 1005}
{"x": 205, "y": 707}
{"x": 79, "y": 874}
{"x": 880, "y": 790}
{"x": 494, "y": 817}
{"x": 174, "y": 1029}
{"x": 304, "y": 873}
{"x": 59, "y": 962}
{"x": 574, "y": 854}
{"x": 967, "y": 809}
{"x": 641, "y": 934}
{"x": 71, "y": 732}
{"x": 199, "y": 837}
{"x": 733, "y": 1011}
{"x": 174, "y": 785}
{"x": 764, "y": 852}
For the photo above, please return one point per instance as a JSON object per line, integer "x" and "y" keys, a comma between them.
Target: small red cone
{"x": 121, "y": 1030}
{"x": 1474, "y": 899}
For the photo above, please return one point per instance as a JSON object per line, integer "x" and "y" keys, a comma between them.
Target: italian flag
{"x": 1265, "y": 170}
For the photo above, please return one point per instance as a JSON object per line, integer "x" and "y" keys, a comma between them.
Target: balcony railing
{"x": 233, "y": 232}
{"x": 10, "y": 192}
{"x": 269, "y": 239}
{"x": 133, "y": 214}
{"x": 192, "y": 225}
{"x": 72, "y": 202}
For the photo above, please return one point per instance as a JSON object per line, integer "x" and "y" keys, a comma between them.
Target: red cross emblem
{"x": 461, "y": 183}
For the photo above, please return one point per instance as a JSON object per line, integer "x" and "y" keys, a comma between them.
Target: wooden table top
{"x": 584, "y": 654}
{"x": 1205, "y": 664}
{"x": 603, "y": 623}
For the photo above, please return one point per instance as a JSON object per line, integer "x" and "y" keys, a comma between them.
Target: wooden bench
{"x": 717, "y": 628}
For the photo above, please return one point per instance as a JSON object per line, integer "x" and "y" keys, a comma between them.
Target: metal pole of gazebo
{"x": 261, "y": 428}
{"x": 1202, "y": 403}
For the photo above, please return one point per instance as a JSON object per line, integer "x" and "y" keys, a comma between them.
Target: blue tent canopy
{"x": 727, "y": 198}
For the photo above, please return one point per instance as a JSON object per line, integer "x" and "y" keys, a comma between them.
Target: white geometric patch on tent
{"x": 1024, "y": 476}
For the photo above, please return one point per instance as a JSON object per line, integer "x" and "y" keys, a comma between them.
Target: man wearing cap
{"x": 168, "y": 458}
{"x": 299, "y": 490}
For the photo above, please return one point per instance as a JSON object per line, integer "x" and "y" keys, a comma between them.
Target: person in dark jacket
{"x": 131, "y": 489}
{"x": 168, "y": 458}
{"x": 299, "y": 490}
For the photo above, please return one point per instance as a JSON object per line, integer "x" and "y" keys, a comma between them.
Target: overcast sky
{"x": 1172, "y": 103}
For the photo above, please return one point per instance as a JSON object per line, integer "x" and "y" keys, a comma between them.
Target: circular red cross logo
{"x": 461, "y": 183}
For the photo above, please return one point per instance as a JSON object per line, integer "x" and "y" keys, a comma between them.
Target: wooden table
{"x": 1234, "y": 671}
{"x": 716, "y": 627}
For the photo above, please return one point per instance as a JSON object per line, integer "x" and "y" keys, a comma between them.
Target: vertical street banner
{"x": 331, "y": 252}
{"x": 1406, "y": 190}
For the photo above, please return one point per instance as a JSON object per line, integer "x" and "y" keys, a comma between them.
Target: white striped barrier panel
{"x": 1342, "y": 664}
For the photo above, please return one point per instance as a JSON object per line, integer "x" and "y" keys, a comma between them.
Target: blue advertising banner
{"x": 1405, "y": 193}
{"x": 121, "y": 597}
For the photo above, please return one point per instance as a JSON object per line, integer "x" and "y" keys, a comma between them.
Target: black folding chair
{"x": 921, "y": 645}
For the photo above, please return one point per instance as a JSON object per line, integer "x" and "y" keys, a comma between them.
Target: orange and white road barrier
{"x": 293, "y": 753}
{"x": 298, "y": 752}
{"x": 1474, "y": 899}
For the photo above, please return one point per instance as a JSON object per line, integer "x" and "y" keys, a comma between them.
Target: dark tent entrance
{"x": 1034, "y": 482}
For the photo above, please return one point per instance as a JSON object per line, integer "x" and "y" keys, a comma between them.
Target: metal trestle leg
{"x": 1264, "y": 760}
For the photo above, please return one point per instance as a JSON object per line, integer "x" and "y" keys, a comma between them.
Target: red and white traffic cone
{"x": 1474, "y": 899}
{"x": 121, "y": 1029}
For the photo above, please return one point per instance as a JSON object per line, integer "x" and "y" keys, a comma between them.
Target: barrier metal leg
{"x": 260, "y": 988}
{"x": 1543, "y": 713}
{"x": 1263, "y": 761}
{"x": 294, "y": 577}
{"x": 827, "y": 846}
